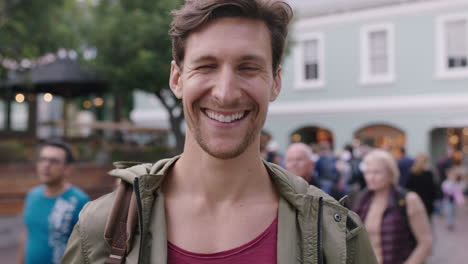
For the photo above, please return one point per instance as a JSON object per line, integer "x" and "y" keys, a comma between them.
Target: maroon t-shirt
{"x": 261, "y": 250}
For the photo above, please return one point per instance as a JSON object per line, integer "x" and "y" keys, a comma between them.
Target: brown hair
{"x": 196, "y": 13}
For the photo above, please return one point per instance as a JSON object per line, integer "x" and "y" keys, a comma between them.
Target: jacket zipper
{"x": 136, "y": 189}
{"x": 319, "y": 233}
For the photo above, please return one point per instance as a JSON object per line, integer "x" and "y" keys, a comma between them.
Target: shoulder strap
{"x": 402, "y": 206}
{"x": 121, "y": 223}
{"x": 401, "y": 202}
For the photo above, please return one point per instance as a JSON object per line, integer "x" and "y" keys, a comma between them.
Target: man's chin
{"x": 224, "y": 147}
{"x": 44, "y": 180}
{"x": 225, "y": 155}
{"x": 47, "y": 183}
{"x": 50, "y": 182}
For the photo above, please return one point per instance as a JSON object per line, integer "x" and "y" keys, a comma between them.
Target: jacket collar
{"x": 292, "y": 188}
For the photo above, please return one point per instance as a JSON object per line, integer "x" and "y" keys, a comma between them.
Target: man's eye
{"x": 248, "y": 68}
{"x": 206, "y": 67}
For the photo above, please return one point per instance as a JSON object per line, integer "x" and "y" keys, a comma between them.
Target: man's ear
{"x": 174, "y": 80}
{"x": 276, "y": 85}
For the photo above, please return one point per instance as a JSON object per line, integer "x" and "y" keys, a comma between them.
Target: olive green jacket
{"x": 313, "y": 228}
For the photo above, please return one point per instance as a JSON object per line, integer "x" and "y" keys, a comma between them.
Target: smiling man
{"x": 219, "y": 202}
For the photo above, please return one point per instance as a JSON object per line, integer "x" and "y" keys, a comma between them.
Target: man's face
{"x": 51, "y": 165}
{"x": 225, "y": 84}
{"x": 298, "y": 163}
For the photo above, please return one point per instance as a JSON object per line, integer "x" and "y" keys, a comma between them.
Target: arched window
{"x": 311, "y": 135}
{"x": 382, "y": 136}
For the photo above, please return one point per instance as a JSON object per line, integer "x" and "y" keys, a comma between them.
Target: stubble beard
{"x": 52, "y": 182}
{"x": 252, "y": 131}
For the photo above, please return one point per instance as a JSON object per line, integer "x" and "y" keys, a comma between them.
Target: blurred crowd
{"x": 395, "y": 194}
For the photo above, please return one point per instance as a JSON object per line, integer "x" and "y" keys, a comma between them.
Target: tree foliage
{"x": 30, "y": 28}
{"x": 133, "y": 50}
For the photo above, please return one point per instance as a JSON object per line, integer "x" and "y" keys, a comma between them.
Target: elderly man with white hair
{"x": 298, "y": 160}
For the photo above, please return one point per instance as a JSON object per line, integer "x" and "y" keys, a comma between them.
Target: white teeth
{"x": 224, "y": 118}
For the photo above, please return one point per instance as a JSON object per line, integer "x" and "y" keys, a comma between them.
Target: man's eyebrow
{"x": 248, "y": 57}
{"x": 252, "y": 57}
{"x": 204, "y": 58}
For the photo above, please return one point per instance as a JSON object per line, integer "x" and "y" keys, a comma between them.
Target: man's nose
{"x": 227, "y": 90}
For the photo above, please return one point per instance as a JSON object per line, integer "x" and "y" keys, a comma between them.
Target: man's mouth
{"x": 225, "y": 118}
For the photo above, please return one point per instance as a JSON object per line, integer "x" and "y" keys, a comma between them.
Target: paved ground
{"x": 9, "y": 232}
{"x": 450, "y": 247}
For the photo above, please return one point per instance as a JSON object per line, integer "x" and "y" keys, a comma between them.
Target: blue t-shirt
{"x": 49, "y": 222}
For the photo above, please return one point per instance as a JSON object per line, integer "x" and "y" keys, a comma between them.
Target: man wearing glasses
{"x": 51, "y": 209}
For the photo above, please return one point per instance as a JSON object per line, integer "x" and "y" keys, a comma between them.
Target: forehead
{"x": 296, "y": 151}
{"x": 52, "y": 152}
{"x": 230, "y": 37}
{"x": 375, "y": 164}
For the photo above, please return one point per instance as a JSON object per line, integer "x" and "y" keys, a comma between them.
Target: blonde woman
{"x": 396, "y": 220}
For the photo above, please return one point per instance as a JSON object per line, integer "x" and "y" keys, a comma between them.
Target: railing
{"x": 17, "y": 180}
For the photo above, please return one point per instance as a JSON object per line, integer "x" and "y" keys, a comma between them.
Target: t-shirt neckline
{"x": 229, "y": 252}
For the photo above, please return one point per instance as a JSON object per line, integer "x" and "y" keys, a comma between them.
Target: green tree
{"x": 30, "y": 28}
{"x": 133, "y": 50}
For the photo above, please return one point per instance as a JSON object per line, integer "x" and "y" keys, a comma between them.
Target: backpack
{"x": 121, "y": 224}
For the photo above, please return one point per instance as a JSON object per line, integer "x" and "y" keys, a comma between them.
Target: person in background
{"x": 452, "y": 189}
{"x": 356, "y": 183}
{"x": 50, "y": 209}
{"x": 325, "y": 168}
{"x": 265, "y": 138}
{"x": 445, "y": 163}
{"x": 273, "y": 155}
{"x": 269, "y": 149}
{"x": 422, "y": 182}
{"x": 397, "y": 222}
{"x": 315, "y": 152}
{"x": 344, "y": 169}
{"x": 298, "y": 160}
{"x": 404, "y": 165}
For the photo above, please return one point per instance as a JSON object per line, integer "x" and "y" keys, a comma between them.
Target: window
{"x": 19, "y": 116}
{"x": 452, "y": 46}
{"x": 377, "y": 54}
{"x": 309, "y": 61}
{"x": 14, "y": 114}
{"x": 457, "y": 49}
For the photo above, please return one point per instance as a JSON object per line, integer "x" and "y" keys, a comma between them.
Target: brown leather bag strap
{"x": 121, "y": 224}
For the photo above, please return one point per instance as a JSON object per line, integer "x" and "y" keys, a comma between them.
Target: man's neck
{"x": 215, "y": 180}
{"x": 223, "y": 203}
{"x": 56, "y": 189}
